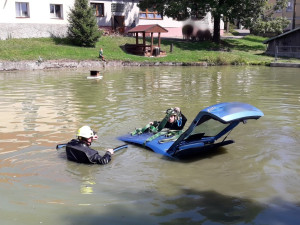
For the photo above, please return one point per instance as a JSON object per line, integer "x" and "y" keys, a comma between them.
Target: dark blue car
{"x": 204, "y": 133}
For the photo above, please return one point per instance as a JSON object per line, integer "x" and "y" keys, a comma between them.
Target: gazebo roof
{"x": 152, "y": 28}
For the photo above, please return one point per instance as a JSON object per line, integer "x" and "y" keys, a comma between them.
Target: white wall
{"x": 39, "y": 11}
{"x": 131, "y": 13}
{"x": 40, "y": 23}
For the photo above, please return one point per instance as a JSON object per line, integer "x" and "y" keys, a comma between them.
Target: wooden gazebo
{"x": 143, "y": 49}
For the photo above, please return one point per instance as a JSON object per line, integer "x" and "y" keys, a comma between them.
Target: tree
{"x": 266, "y": 24}
{"x": 83, "y": 28}
{"x": 195, "y": 9}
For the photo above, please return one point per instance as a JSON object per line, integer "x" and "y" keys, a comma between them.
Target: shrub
{"x": 271, "y": 27}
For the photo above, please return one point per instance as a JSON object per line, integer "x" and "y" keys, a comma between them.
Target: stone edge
{"x": 61, "y": 64}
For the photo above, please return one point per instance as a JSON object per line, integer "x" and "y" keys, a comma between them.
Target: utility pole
{"x": 294, "y": 16}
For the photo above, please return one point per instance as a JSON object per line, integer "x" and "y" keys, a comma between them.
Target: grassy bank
{"x": 248, "y": 50}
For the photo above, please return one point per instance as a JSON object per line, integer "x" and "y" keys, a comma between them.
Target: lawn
{"x": 248, "y": 50}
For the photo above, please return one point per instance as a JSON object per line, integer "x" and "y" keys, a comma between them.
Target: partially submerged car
{"x": 204, "y": 133}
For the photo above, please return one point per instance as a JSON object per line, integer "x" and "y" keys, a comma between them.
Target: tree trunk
{"x": 217, "y": 21}
{"x": 227, "y": 26}
{"x": 216, "y": 37}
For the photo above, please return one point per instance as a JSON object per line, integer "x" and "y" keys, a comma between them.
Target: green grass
{"x": 248, "y": 50}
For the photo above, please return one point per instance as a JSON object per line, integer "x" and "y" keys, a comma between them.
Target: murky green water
{"x": 254, "y": 181}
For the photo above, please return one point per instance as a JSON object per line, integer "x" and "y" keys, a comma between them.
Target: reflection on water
{"x": 252, "y": 181}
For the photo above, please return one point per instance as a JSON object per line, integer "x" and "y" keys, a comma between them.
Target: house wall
{"x": 131, "y": 13}
{"x": 39, "y": 11}
{"x": 40, "y": 24}
{"x": 288, "y": 13}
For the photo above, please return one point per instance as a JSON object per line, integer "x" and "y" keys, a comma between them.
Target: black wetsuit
{"x": 175, "y": 125}
{"x": 79, "y": 152}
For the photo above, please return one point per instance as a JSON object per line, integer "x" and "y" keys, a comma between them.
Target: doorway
{"x": 119, "y": 24}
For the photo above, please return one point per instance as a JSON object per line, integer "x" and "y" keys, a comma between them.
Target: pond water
{"x": 256, "y": 180}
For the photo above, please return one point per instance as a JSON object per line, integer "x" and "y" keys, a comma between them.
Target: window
{"x": 56, "y": 11}
{"x": 150, "y": 14}
{"x": 209, "y": 127}
{"x": 290, "y": 6}
{"x": 22, "y": 9}
{"x": 117, "y": 7}
{"x": 99, "y": 7}
{"x": 277, "y": 8}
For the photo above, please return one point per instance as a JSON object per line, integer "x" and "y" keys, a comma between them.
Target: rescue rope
{"x": 157, "y": 129}
{"x": 174, "y": 134}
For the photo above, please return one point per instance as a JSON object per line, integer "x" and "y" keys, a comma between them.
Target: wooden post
{"x": 144, "y": 42}
{"x": 159, "y": 39}
{"x": 137, "y": 38}
{"x": 151, "y": 44}
{"x": 171, "y": 47}
{"x": 276, "y": 52}
{"x": 227, "y": 26}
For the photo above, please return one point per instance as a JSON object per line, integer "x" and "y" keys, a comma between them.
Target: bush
{"x": 269, "y": 28}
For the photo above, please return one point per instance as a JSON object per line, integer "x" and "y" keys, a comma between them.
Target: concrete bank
{"x": 279, "y": 64}
{"x": 61, "y": 64}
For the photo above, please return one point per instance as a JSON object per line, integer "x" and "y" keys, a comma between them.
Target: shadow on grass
{"x": 61, "y": 40}
{"x": 253, "y": 39}
{"x": 122, "y": 47}
{"x": 187, "y": 44}
{"x": 248, "y": 43}
{"x": 65, "y": 41}
{"x": 241, "y": 46}
{"x": 193, "y": 45}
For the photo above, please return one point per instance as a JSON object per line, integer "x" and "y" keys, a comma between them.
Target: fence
{"x": 287, "y": 51}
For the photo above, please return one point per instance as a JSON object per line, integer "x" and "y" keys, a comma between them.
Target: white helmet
{"x": 85, "y": 132}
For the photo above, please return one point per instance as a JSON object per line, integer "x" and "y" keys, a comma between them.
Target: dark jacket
{"x": 177, "y": 125}
{"x": 78, "y": 151}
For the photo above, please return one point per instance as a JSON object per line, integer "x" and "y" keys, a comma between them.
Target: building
{"x": 33, "y": 18}
{"x": 285, "y": 45}
{"x": 40, "y": 18}
{"x": 291, "y": 12}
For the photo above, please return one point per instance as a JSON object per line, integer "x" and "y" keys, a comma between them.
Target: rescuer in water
{"x": 78, "y": 150}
